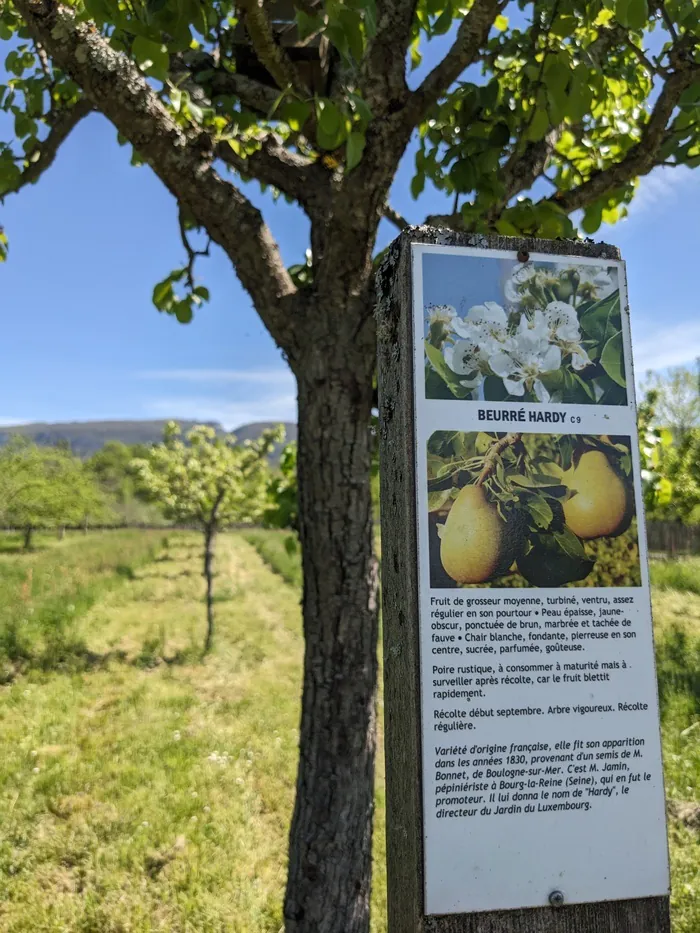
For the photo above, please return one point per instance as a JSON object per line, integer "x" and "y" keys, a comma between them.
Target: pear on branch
{"x": 601, "y": 503}
{"x": 476, "y": 544}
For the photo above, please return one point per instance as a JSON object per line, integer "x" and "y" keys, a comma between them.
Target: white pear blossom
{"x": 440, "y": 314}
{"x": 463, "y": 356}
{"x": 597, "y": 281}
{"x": 520, "y": 276}
{"x": 486, "y": 324}
{"x": 564, "y": 330}
{"x": 527, "y": 356}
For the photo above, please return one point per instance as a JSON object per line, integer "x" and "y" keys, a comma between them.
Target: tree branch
{"x": 383, "y": 69}
{"x": 472, "y": 34}
{"x": 642, "y": 157}
{"x": 519, "y": 173}
{"x": 268, "y": 50}
{"x": 218, "y": 82}
{"x": 61, "y": 123}
{"x": 395, "y": 218}
{"x": 182, "y": 160}
{"x": 293, "y": 174}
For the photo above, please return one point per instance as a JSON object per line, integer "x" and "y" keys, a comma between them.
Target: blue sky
{"x": 81, "y": 339}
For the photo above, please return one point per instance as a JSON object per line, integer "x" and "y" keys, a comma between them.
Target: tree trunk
{"x": 328, "y": 887}
{"x": 209, "y": 537}
{"x": 28, "y": 532}
{"x": 61, "y": 532}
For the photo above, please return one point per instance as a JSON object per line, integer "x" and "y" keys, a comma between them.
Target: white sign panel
{"x": 541, "y": 752}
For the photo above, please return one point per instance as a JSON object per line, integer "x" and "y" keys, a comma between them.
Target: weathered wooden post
{"x": 524, "y": 776}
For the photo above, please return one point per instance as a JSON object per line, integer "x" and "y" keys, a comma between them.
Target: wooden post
{"x": 400, "y": 588}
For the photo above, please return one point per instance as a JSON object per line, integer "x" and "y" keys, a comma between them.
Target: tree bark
{"x": 28, "y": 532}
{"x": 328, "y": 886}
{"x": 209, "y": 537}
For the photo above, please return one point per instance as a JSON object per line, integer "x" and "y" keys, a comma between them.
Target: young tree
{"x": 524, "y": 125}
{"x": 45, "y": 487}
{"x": 676, "y": 398}
{"x": 209, "y": 480}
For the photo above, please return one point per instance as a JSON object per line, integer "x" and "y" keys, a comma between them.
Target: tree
{"x": 111, "y": 468}
{"x": 45, "y": 487}
{"x": 211, "y": 481}
{"x": 676, "y": 398}
{"x": 524, "y": 125}
{"x": 670, "y": 466}
{"x": 282, "y": 491}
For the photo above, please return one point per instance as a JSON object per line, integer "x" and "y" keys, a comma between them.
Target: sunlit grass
{"x": 153, "y": 792}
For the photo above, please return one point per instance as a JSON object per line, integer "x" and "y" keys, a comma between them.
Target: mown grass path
{"x": 155, "y": 794}
{"x": 148, "y": 790}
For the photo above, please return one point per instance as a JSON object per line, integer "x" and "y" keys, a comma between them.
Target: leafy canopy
{"x": 208, "y": 479}
{"x": 302, "y": 96}
{"x": 45, "y": 487}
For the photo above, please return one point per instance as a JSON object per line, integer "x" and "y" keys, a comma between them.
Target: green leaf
{"x": 163, "y": 294}
{"x": 152, "y": 57}
{"x": 417, "y": 184}
{"x": 444, "y": 21}
{"x": 539, "y": 125}
{"x": 362, "y": 108}
{"x": 570, "y": 544}
{"x": 201, "y": 291}
{"x": 296, "y": 113}
{"x": 330, "y": 125}
{"x": 441, "y": 367}
{"x": 438, "y": 498}
{"x": 611, "y": 359}
{"x": 633, "y": 14}
{"x": 183, "y": 312}
{"x": 540, "y": 510}
{"x": 308, "y": 25}
{"x": 593, "y": 217}
{"x": 354, "y": 149}
{"x": 501, "y": 23}
{"x": 463, "y": 176}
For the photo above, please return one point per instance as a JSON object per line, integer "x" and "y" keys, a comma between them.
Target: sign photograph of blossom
{"x": 543, "y": 331}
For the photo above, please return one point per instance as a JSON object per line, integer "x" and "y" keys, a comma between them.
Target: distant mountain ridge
{"x": 87, "y": 437}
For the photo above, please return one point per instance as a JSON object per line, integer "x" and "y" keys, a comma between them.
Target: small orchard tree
{"x": 45, "y": 487}
{"x": 537, "y": 116}
{"x": 208, "y": 480}
{"x": 676, "y": 397}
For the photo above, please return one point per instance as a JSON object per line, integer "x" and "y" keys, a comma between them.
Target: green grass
{"x": 279, "y": 550}
{"x": 682, "y": 575}
{"x": 46, "y": 592}
{"x": 153, "y": 792}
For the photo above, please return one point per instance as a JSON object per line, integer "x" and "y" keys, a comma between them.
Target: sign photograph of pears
{"x": 499, "y": 330}
{"x": 520, "y": 509}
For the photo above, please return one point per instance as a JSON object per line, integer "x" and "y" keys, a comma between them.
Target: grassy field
{"x": 144, "y": 789}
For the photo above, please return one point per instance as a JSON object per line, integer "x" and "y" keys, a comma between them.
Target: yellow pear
{"x": 475, "y": 542}
{"x": 600, "y": 504}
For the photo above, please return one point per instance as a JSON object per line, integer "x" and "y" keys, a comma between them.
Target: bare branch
{"x": 192, "y": 253}
{"x": 472, "y": 34}
{"x": 395, "y": 218}
{"x": 61, "y": 123}
{"x": 183, "y": 161}
{"x": 642, "y": 157}
{"x": 268, "y": 50}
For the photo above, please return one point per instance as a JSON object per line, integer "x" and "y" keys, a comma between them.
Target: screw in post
{"x": 556, "y": 899}
{"x": 523, "y": 255}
